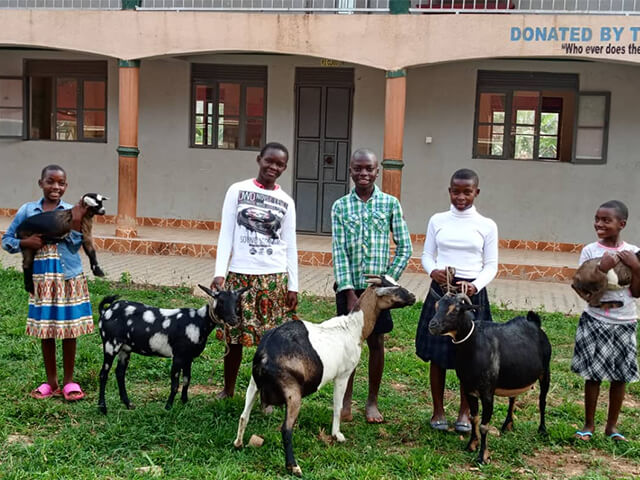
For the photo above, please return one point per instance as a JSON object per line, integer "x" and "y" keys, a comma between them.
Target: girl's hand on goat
{"x": 470, "y": 287}
{"x": 607, "y": 262}
{"x": 217, "y": 283}
{"x": 629, "y": 259}
{"x": 292, "y": 300}
{"x": 78, "y": 211}
{"x": 34, "y": 242}
{"x": 439, "y": 276}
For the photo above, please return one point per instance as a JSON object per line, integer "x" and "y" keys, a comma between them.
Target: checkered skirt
{"x": 437, "y": 348}
{"x": 605, "y": 351}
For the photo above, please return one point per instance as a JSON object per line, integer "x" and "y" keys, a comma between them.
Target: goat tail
{"x": 535, "y": 318}
{"x": 108, "y": 300}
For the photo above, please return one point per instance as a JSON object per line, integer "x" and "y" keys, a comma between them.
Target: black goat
{"x": 180, "y": 333}
{"x": 297, "y": 358}
{"x": 493, "y": 359}
{"x": 54, "y": 226}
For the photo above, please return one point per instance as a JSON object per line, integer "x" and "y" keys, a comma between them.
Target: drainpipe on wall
{"x": 394, "y": 110}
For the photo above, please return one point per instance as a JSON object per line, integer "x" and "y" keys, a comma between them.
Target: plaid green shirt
{"x": 360, "y": 239}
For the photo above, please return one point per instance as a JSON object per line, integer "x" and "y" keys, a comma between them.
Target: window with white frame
{"x": 539, "y": 116}
{"x": 228, "y": 108}
{"x": 11, "y": 107}
{"x": 67, "y": 100}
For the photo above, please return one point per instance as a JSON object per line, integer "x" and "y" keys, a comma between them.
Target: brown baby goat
{"x": 591, "y": 283}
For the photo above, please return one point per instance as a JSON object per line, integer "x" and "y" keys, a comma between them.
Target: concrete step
{"x": 315, "y": 251}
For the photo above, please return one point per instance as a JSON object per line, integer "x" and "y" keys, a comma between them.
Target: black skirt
{"x": 438, "y": 348}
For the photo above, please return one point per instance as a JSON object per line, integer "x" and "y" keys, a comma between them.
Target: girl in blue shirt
{"x": 60, "y": 306}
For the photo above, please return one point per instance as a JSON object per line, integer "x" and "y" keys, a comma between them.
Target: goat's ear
{"x": 208, "y": 291}
{"x": 101, "y": 198}
{"x": 89, "y": 201}
{"x": 381, "y": 292}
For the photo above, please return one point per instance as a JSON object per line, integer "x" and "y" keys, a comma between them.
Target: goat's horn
{"x": 90, "y": 201}
{"x": 373, "y": 279}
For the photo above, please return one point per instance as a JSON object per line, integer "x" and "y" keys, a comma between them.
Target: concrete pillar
{"x": 394, "y": 109}
{"x": 128, "y": 152}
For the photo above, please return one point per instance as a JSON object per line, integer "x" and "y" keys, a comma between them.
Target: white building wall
{"x": 91, "y": 167}
{"x": 176, "y": 181}
{"x": 529, "y": 200}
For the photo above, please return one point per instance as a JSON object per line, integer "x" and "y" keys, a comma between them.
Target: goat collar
{"x": 473, "y": 326}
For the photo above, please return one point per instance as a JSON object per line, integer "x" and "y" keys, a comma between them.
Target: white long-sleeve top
{"x": 258, "y": 232}
{"x": 465, "y": 240}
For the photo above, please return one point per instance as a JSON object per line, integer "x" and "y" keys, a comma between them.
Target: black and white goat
{"x": 180, "y": 333}
{"x": 54, "y": 226}
{"x": 297, "y": 358}
{"x": 503, "y": 359}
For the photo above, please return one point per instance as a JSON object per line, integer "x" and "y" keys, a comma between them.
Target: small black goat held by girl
{"x": 54, "y": 226}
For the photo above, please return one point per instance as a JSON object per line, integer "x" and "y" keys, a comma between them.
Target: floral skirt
{"x": 58, "y": 308}
{"x": 264, "y": 306}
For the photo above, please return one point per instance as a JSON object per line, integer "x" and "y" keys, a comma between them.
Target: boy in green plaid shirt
{"x": 362, "y": 221}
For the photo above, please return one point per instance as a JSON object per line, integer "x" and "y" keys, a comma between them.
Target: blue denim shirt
{"x": 68, "y": 249}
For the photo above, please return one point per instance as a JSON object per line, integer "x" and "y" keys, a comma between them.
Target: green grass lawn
{"x": 52, "y": 439}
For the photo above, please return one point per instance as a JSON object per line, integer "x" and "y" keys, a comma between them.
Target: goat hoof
{"x": 103, "y": 409}
{"x": 130, "y": 406}
{"x": 168, "y": 406}
{"x": 507, "y": 427}
{"x": 295, "y": 470}
{"x": 340, "y": 437}
{"x": 237, "y": 444}
{"x": 484, "y": 458}
{"x": 97, "y": 271}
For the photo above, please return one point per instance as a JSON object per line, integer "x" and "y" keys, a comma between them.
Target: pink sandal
{"x": 44, "y": 391}
{"x": 72, "y": 392}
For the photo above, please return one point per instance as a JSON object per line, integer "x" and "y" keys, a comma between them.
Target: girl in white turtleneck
{"x": 463, "y": 239}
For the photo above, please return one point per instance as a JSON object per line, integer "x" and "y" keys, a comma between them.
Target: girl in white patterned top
{"x": 605, "y": 347}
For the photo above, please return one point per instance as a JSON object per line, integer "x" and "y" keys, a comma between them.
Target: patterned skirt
{"x": 605, "y": 351}
{"x": 438, "y": 348}
{"x": 264, "y": 306}
{"x": 59, "y": 308}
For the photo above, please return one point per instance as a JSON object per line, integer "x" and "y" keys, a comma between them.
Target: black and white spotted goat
{"x": 297, "y": 358}
{"x": 180, "y": 333}
{"x": 503, "y": 359}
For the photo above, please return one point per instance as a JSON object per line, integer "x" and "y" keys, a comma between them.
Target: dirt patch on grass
{"x": 207, "y": 390}
{"x": 19, "y": 439}
{"x": 569, "y": 464}
{"x": 397, "y": 348}
{"x": 631, "y": 401}
{"x": 399, "y": 387}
